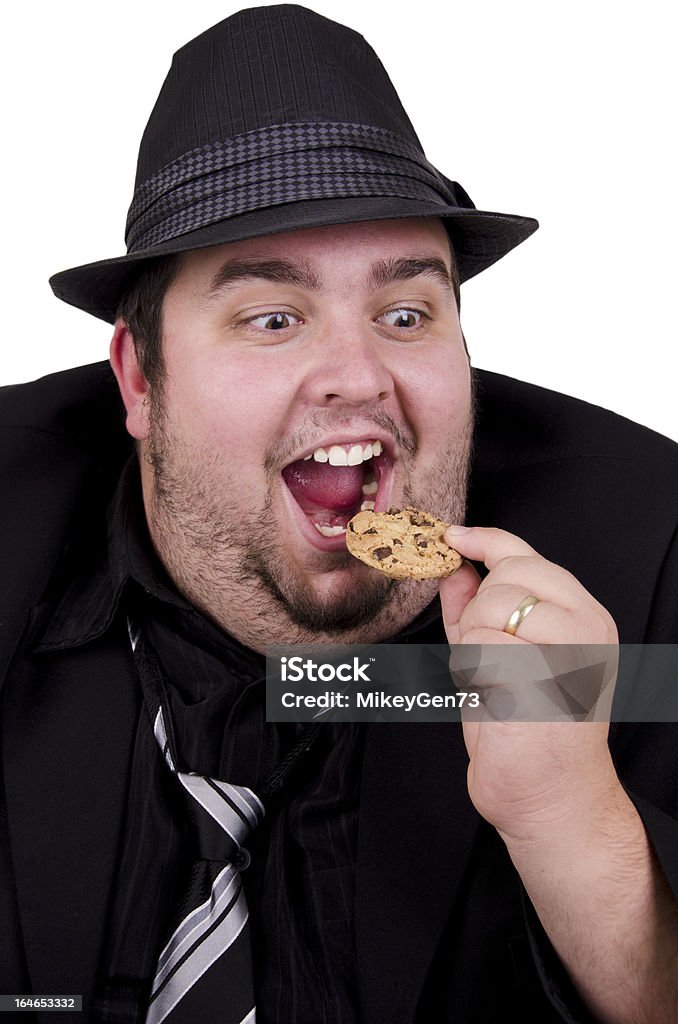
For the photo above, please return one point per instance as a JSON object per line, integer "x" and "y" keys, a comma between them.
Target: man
{"x": 286, "y": 346}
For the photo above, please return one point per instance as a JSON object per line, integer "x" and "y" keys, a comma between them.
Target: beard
{"x": 228, "y": 558}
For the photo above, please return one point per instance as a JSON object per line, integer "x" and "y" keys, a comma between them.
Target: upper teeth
{"x": 346, "y": 455}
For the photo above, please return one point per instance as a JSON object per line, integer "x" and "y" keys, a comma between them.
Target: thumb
{"x": 455, "y": 593}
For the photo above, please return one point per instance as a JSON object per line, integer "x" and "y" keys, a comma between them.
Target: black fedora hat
{"x": 273, "y": 120}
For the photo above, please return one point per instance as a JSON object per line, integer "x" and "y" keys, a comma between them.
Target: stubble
{"x": 229, "y": 561}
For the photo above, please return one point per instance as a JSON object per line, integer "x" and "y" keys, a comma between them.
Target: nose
{"x": 351, "y": 369}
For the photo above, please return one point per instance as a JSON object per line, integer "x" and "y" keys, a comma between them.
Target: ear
{"x": 133, "y": 385}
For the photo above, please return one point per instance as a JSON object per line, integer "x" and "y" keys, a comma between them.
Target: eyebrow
{"x": 278, "y": 271}
{"x": 385, "y": 272}
{"x": 301, "y": 275}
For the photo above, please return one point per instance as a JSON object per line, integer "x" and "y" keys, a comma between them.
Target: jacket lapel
{"x": 417, "y": 827}
{"x": 69, "y": 724}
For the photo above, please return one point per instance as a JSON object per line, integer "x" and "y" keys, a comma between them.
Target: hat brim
{"x": 479, "y": 239}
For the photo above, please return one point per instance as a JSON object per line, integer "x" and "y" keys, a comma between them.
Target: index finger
{"x": 486, "y": 543}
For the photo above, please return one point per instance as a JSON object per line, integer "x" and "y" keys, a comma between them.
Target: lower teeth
{"x": 329, "y": 531}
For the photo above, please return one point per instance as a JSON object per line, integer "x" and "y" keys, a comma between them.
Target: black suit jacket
{"x": 589, "y": 490}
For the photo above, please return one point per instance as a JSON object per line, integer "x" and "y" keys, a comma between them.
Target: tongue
{"x": 317, "y": 485}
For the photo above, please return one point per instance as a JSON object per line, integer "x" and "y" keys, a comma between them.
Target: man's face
{"x": 283, "y": 356}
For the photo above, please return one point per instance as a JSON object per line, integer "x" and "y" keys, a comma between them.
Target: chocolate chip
{"x": 372, "y": 529}
{"x": 351, "y": 527}
{"x": 396, "y": 540}
{"x": 422, "y": 543}
{"x": 380, "y": 553}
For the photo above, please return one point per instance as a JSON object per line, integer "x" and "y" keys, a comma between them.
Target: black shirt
{"x": 300, "y": 885}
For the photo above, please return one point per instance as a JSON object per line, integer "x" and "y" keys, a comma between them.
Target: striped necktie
{"x": 204, "y": 973}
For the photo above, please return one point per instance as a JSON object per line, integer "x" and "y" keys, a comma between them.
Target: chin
{"x": 338, "y": 599}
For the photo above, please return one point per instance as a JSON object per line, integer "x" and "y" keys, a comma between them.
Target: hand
{"x": 530, "y": 778}
{"x": 549, "y": 787}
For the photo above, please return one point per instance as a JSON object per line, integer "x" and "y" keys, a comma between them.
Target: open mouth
{"x": 333, "y": 483}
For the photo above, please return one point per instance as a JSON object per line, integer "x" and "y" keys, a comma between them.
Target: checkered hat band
{"x": 269, "y": 167}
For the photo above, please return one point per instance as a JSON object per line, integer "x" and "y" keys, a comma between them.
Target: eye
{"x": 277, "y": 321}
{"x": 403, "y": 318}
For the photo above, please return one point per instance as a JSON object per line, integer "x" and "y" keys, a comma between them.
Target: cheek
{"x": 234, "y": 402}
{"x": 439, "y": 395}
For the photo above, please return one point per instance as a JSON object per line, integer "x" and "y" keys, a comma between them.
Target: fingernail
{"x": 455, "y": 530}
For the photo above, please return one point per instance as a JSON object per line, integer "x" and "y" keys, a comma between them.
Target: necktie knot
{"x": 222, "y": 817}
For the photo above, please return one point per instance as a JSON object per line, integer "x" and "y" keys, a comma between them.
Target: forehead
{"x": 331, "y": 249}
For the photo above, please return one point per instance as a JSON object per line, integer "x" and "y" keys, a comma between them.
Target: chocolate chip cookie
{"x": 406, "y": 544}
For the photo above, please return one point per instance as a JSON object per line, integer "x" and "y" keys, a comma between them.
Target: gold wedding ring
{"x": 521, "y": 612}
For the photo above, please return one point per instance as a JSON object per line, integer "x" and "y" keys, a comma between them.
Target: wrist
{"x": 602, "y": 820}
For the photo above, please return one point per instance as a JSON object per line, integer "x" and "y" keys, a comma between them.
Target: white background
{"x": 565, "y": 112}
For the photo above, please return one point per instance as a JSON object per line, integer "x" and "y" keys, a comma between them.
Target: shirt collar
{"x": 101, "y": 566}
